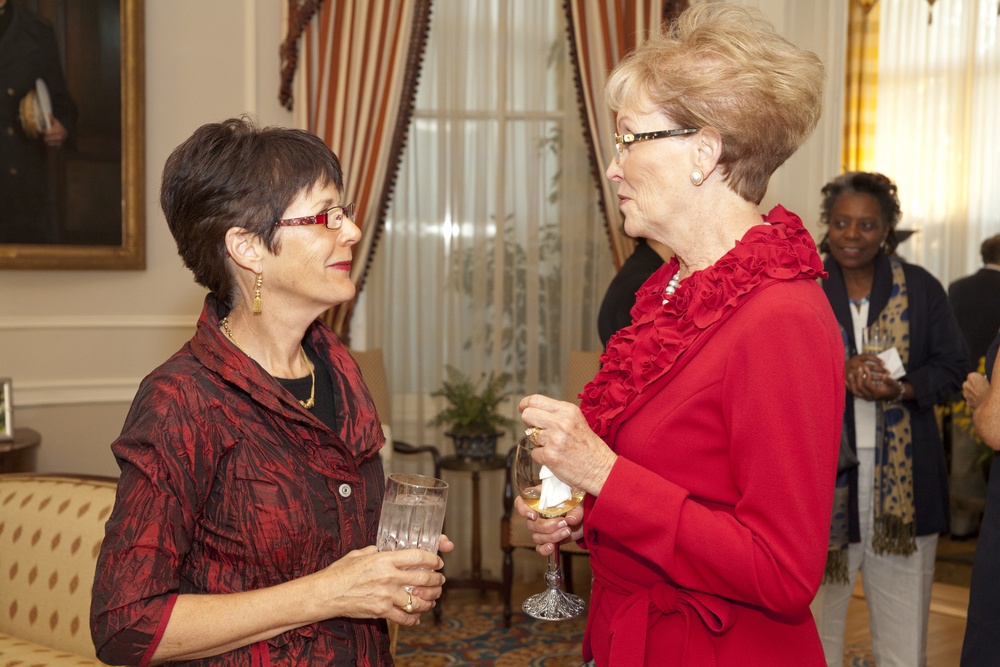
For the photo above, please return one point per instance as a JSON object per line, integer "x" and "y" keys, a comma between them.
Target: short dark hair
{"x": 990, "y": 250}
{"x": 867, "y": 183}
{"x": 237, "y": 174}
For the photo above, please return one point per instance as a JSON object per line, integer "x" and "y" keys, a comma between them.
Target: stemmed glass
{"x": 553, "y": 604}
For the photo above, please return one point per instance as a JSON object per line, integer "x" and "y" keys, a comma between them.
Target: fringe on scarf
{"x": 836, "y": 567}
{"x": 894, "y": 536}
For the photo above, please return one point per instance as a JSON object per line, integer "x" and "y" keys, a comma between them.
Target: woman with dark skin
{"x": 894, "y": 504}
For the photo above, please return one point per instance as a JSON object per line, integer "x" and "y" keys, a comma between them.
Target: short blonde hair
{"x": 726, "y": 67}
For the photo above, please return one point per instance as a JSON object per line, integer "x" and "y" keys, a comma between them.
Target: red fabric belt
{"x": 704, "y": 616}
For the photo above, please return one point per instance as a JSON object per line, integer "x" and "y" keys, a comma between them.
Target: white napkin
{"x": 554, "y": 490}
{"x": 893, "y": 363}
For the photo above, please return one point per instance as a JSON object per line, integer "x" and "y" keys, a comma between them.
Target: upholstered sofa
{"x": 51, "y": 528}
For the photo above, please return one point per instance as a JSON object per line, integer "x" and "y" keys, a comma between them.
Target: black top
{"x": 617, "y": 305}
{"x": 991, "y": 355}
{"x": 982, "y": 642}
{"x": 325, "y": 408}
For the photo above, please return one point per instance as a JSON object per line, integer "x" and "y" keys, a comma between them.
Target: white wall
{"x": 77, "y": 343}
{"x": 820, "y": 27}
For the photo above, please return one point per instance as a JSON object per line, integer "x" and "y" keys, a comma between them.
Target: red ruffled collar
{"x": 642, "y": 353}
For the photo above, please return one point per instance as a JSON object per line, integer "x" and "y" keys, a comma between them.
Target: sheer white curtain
{"x": 937, "y": 130}
{"x": 494, "y": 256}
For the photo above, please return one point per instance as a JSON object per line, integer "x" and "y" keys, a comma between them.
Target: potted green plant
{"x": 472, "y": 415}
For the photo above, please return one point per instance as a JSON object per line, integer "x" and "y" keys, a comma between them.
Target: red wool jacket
{"x": 709, "y": 538}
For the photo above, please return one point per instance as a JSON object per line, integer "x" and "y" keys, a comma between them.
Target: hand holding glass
{"x": 874, "y": 340}
{"x": 412, "y": 513}
{"x": 553, "y": 604}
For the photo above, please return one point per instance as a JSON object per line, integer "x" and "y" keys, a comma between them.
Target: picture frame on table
{"x": 6, "y": 410}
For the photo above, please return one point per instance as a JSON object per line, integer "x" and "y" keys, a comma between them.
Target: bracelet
{"x": 899, "y": 396}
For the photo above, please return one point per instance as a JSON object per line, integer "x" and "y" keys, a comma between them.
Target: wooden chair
{"x": 580, "y": 369}
{"x": 372, "y": 366}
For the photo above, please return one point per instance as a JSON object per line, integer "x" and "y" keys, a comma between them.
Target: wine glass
{"x": 553, "y": 604}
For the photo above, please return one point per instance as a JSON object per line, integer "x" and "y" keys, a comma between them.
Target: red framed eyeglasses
{"x": 333, "y": 218}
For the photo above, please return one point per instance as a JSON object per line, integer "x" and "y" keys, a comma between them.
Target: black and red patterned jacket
{"x": 228, "y": 485}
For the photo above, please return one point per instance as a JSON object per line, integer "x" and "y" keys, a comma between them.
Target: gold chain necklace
{"x": 309, "y": 402}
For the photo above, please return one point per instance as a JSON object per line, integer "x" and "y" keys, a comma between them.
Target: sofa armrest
{"x": 51, "y": 529}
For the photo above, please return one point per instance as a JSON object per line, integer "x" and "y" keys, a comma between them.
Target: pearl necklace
{"x": 671, "y": 287}
{"x": 309, "y": 402}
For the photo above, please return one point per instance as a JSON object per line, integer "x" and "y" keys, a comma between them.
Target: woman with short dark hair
{"x": 251, "y": 483}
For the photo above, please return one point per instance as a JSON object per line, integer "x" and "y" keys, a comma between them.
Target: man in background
{"x": 976, "y": 302}
{"x": 616, "y": 308}
{"x": 28, "y": 52}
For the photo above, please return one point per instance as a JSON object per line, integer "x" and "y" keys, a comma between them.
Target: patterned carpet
{"x": 472, "y": 635}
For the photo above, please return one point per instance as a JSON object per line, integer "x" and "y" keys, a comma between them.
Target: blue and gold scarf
{"x": 895, "y": 522}
{"x": 895, "y": 518}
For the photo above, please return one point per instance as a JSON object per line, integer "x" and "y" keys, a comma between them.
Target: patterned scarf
{"x": 895, "y": 526}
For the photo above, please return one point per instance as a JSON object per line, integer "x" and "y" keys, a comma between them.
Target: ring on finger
{"x": 408, "y": 607}
{"x": 532, "y": 434}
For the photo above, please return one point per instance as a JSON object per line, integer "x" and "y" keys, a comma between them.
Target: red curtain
{"x": 601, "y": 32}
{"x": 362, "y": 62}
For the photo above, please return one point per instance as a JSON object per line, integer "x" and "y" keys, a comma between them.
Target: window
{"x": 493, "y": 256}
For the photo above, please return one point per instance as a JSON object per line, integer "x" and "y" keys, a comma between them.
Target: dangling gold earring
{"x": 697, "y": 178}
{"x": 258, "y": 306}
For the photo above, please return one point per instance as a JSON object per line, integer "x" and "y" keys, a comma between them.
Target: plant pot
{"x": 478, "y": 447}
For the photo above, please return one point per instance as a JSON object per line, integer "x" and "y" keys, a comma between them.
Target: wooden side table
{"x": 18, "y": 455}
{"x": 475, "y": 580}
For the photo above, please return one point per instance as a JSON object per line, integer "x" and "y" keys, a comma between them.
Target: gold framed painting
{"x": 92, "y": 214}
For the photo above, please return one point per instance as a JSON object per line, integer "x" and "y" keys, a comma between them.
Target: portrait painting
{"x": 72, "y": 146}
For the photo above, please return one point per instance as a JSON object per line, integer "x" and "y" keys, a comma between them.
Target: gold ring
{"x": 408, "y": 607}
{"x": 532, "y": 434}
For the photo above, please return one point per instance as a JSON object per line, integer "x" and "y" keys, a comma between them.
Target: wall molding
{"x": 74, "y": 392}
{"x": 51, "y": 322}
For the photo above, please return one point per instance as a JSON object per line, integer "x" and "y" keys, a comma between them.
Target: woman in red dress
{"x": 708, "y": 441}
